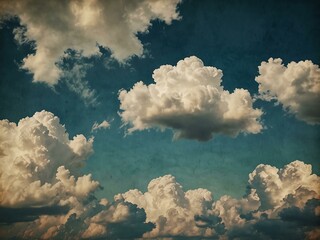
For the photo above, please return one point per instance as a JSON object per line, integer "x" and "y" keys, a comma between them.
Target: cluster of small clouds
{"x": 44, "y": 196}
{"x": 189, "y": 99}
{"x": 296, "y": 87}
{"x": 82, "y": 26}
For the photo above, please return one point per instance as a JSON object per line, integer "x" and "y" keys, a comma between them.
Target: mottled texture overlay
{"x": 159, "y": 119}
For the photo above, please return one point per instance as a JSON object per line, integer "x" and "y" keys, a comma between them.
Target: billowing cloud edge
{"x": 81, "y": 26}
{"x": 42, "y": 193}
{"x": 189, "y": 99}
{"x": 286, "y": 198}
{"x": 47, "y": 197}
{"x": 295, "y": 86}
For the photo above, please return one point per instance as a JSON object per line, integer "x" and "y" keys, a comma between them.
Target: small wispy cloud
{"x": 103, "y": 125}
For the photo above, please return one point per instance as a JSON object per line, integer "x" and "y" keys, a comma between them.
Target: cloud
{"x": 118, "y": 220}
{"x": 39, "y": 171}
{"x": 308, "y": 215}
{"x": 119, "y": 216}
{"x": 273, "y": 201}
{"x": 296, "y": 87}
{"x": 294, "y": 184}
{"x": 32, "y": 162}
{"x": 12, "y": 215}
{"x": 42, "y": 193}
{"x": 103, "y": 125}
{"x": 74, "y": 70}
{"x": 81, "y": 25}
{"x": 171, "y": 209}
{"x": 190, "y": 99}
{"x": 43, "y": 196}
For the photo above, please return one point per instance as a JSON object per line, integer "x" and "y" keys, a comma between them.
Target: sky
{"x": 153, "y": 119}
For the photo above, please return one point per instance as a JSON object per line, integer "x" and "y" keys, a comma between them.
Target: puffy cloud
{"x": 276, "y": 199}
{"x": 103, "y": 125}
{"x": 190, "y": 99}
{"x": 42, "y": 195}
{"x": 294, "y": 184}
{"x": 286, "y": 198}
{"x": 39, "y": 178}
{"x": 231, "y": 210}
{"x": 123, "y": 220}
{"x": 95, "y": 230}
{"x": 34, "y": 172}
{"x": 81, "y": 25}
{"x": 172, "y": 209}
{"x": 117, "y": 220}
{"x": 296, "y": 87}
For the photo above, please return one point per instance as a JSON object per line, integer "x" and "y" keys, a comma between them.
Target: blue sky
{"x": 234, "y": 36}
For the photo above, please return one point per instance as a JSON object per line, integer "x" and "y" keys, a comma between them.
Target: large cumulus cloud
{"x": 55, "y": 27}
{"x": 285, "y": 199}
{"x": 42, "y": 193}
{"x": 295, "y": 86}
{"x": 190, "y": 99}
{"x": 80, "y": 25}
{"x": 172, "y": 209}
{"x": 37, "y": 156}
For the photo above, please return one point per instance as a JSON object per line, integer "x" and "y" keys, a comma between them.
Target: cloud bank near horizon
{"x": 275, "y": 197}
{"x": 189, "y": 98}
{"x": 48, "y": 198}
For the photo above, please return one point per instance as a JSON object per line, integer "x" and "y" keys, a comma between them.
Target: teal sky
{"x": 180, "y": 119}
{"x": 235, "y": 36}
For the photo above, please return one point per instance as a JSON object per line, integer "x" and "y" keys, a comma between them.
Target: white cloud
{"x": 81, "y": 25}
{"x": 40, "y": 186}
{"x": 273, "y": 199}
{"x": 103, "y": 125}
{"x": 296, "y": 87}
{"x": 121, "y": 220}
{"x": 39, "y": 168}
{"x": 32, "y": 162}
{"x": 190, "y": 99}
{"x": 276, "y": 188}
{"x": 172, "y": 209}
